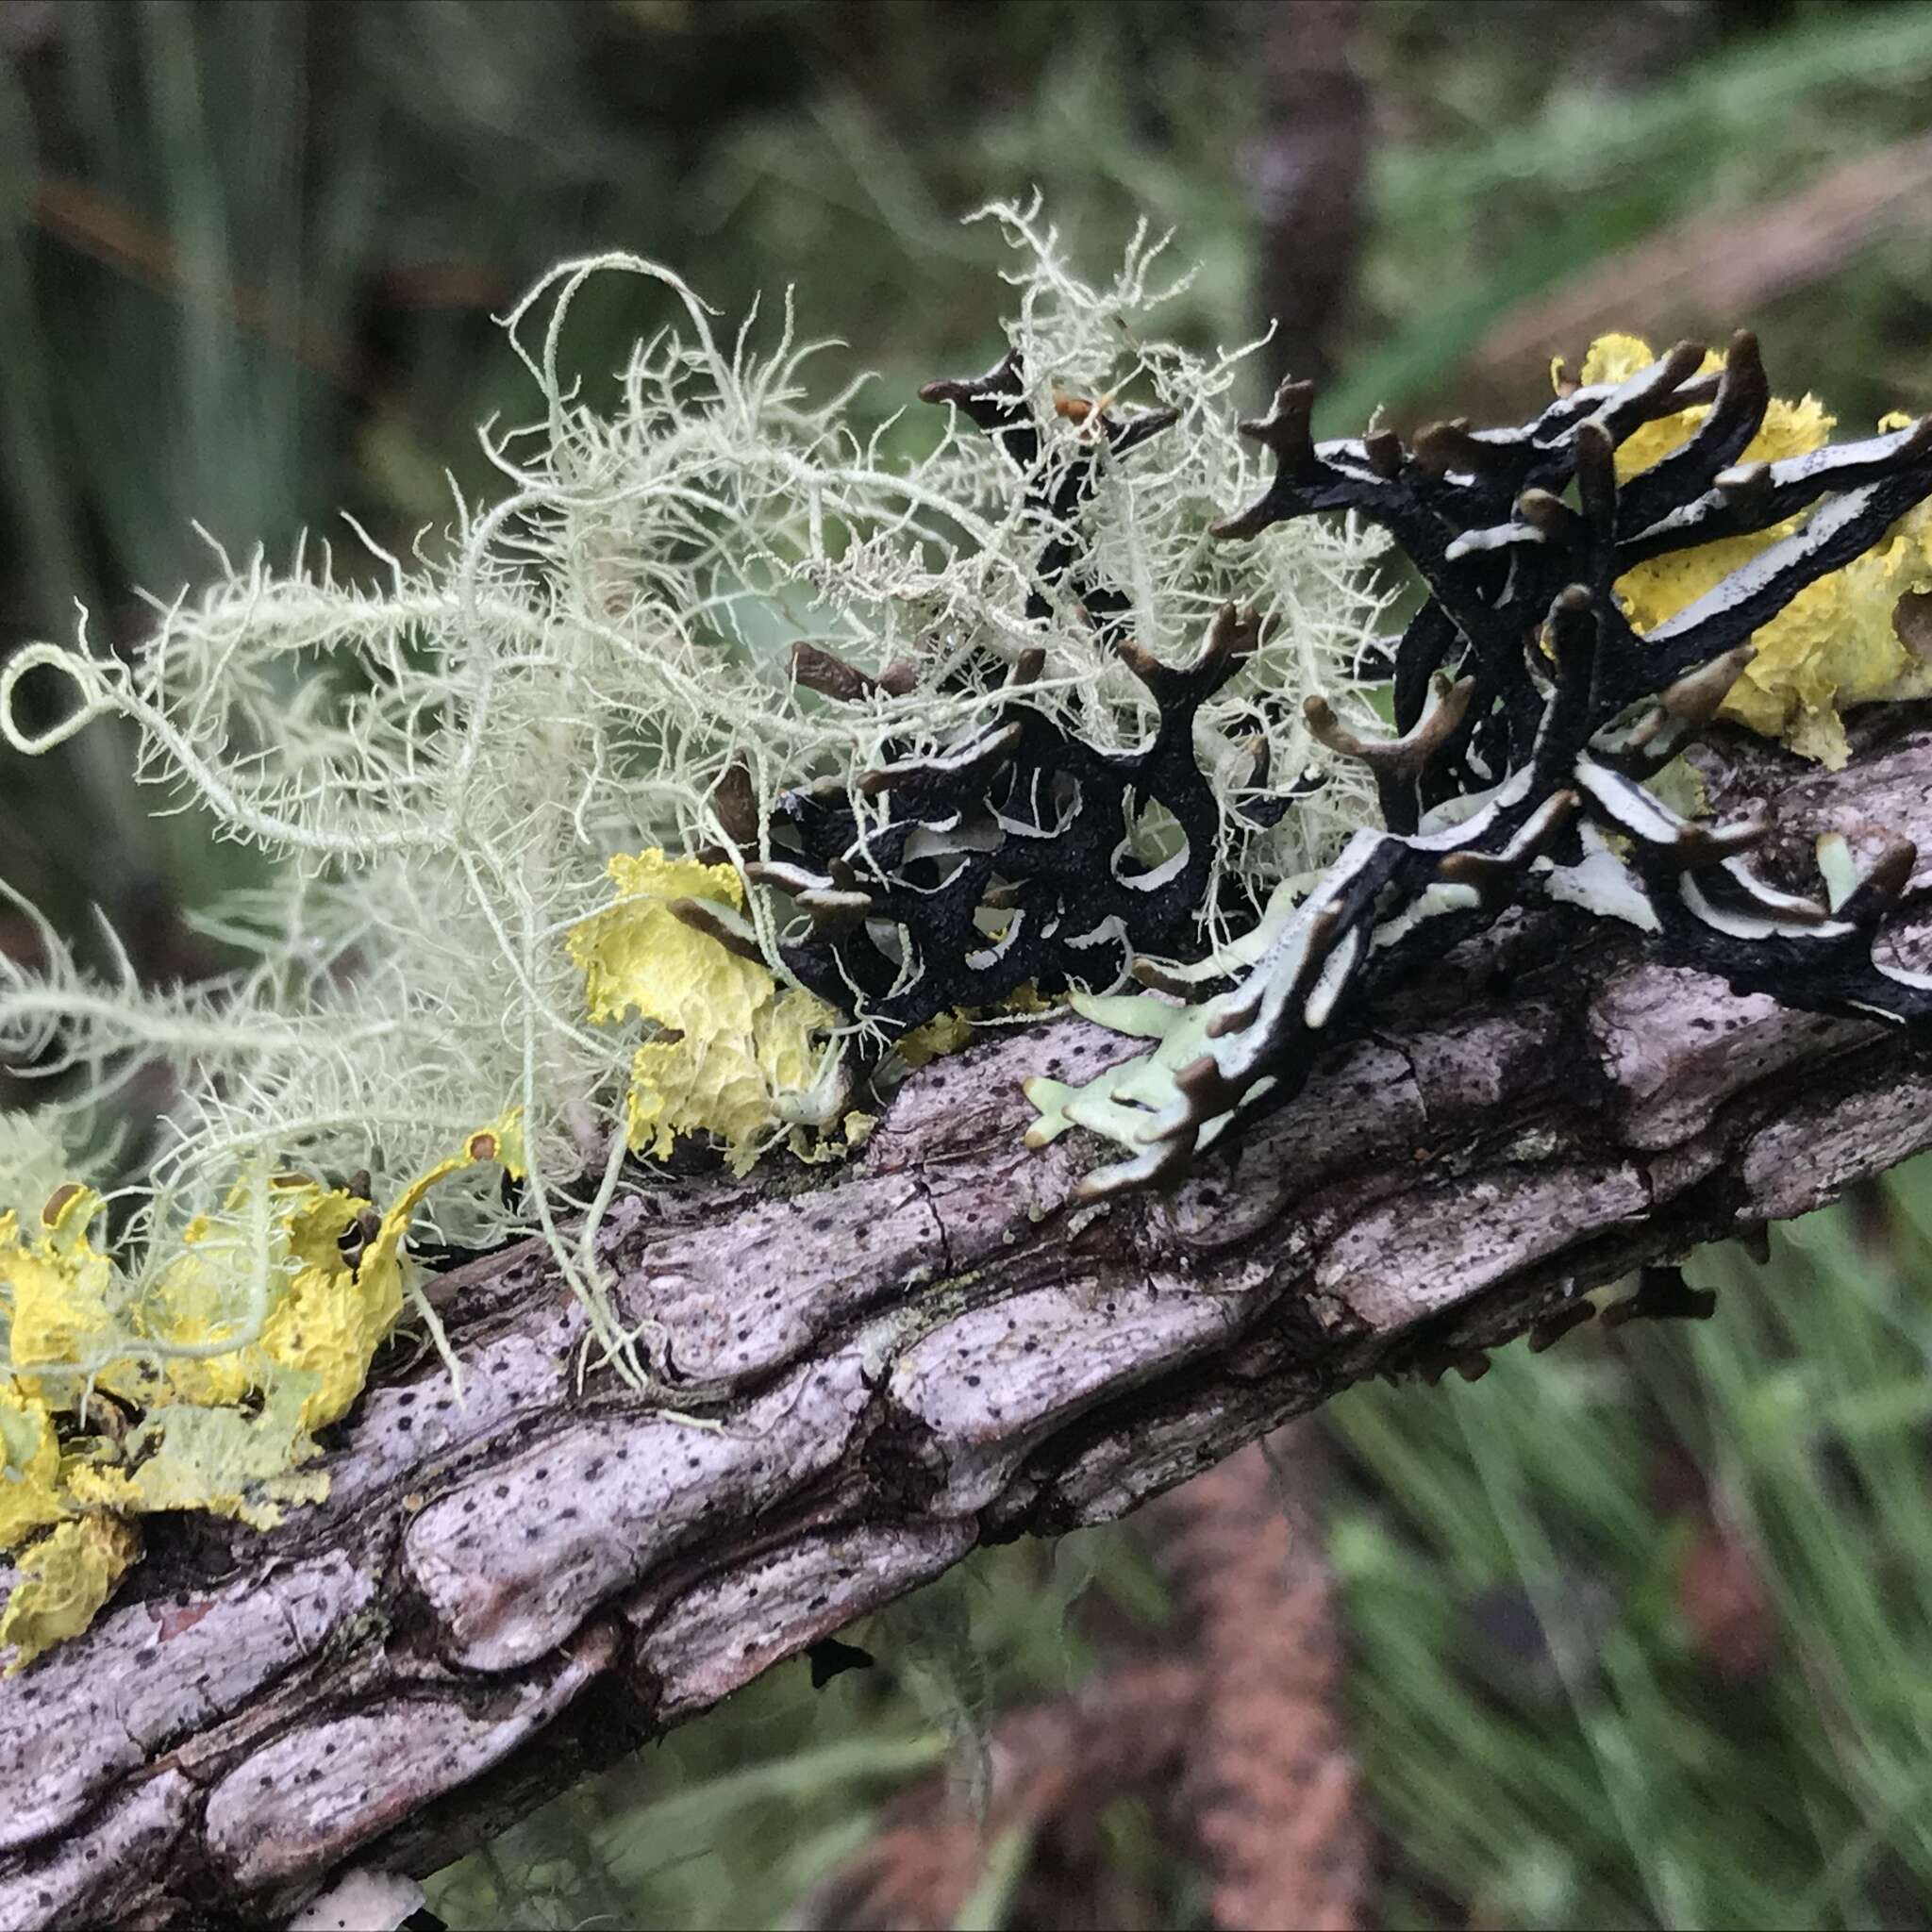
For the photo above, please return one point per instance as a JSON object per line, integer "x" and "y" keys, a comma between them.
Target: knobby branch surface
{"x": 931, "y": 1349}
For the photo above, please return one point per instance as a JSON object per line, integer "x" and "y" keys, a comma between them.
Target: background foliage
{"x": 1631, "y": 1635}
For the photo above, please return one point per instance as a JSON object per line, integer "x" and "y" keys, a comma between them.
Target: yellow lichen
{"x": 1836, "y": 644}
{"x": 335, "y": 1315}
{"x": 731, "y": 1046}
{"x": 57, "y": 1284}
{"x": 228, "y": 1433}
{"x": 65, "y": 1578}
{"x": 224, "y": 1461}
{"x": 730, "y": 1043}
{"x": 948, "y": 1032}
{"x": 943, "y": 1033}
{"x": 29, "y": 1467}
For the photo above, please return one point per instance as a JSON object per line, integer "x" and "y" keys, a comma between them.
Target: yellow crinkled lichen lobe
{"x": 1836, "y": 644}
{"x": 227, "y": 1431}
{"x": 731, "y": 1043}
{"x": 732, "y": 1046}
{"x": 29, "y": 1467}
{"x": 949, "y": 1031}
{"x": 65, "y": 1579}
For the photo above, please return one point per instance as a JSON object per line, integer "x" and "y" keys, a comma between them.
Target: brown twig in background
{"x": 1055, "y": 1767}
{"x": 1271, "y": 1786}
{"x": 104, "y": 229}
{"x": 1304, "y": 175}
{"x": 1233, "y": 1734}
{"x": 95, "y": 225}
{"x": 1715, "y": 265}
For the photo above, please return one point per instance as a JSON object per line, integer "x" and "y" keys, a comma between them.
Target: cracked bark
{"x": 929, "y": 1350}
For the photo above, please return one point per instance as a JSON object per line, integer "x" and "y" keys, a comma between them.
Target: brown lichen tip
{"x": 1552, "y": 1327}
{"x": 735, "y": 804}
{"x": 1284, "y": 431}
{"x": 1005, "y": 378}
{"x": 1403, "y": 755}
{"x": 701, "y": 915}
{"x": 57, "y": 1202}
{"x": 828, "y": 673}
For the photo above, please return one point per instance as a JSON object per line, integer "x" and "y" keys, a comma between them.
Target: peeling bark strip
{"x": 931, "y": 1350}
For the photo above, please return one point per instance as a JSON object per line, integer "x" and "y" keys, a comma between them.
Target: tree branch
{"x": 929, "y": 1350}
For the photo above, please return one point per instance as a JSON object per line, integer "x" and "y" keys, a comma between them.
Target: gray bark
{"x": 928, "y": 1350}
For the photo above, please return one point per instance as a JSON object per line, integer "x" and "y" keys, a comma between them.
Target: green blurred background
{"x": 1635, "y": 1633}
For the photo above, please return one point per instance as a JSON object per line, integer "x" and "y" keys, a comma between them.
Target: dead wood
{"x": 929, "y": 1350}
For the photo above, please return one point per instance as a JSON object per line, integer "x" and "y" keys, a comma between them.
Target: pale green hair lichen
{"x": 441, "y": 755}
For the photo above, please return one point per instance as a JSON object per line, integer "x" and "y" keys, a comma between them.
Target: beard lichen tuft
{"x": 518, "y": 794}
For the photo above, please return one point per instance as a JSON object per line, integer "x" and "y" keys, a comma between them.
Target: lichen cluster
{"x": 727, "y": 767}
{"x": 484, "y": 773}
{"x": 201, "y": 1387}
{"x": 1836, "y": 644}
{"x": 1566, "y": 654}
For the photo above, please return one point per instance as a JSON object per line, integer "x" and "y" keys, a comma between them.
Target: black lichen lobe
{"x": 1528, "y": 715}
